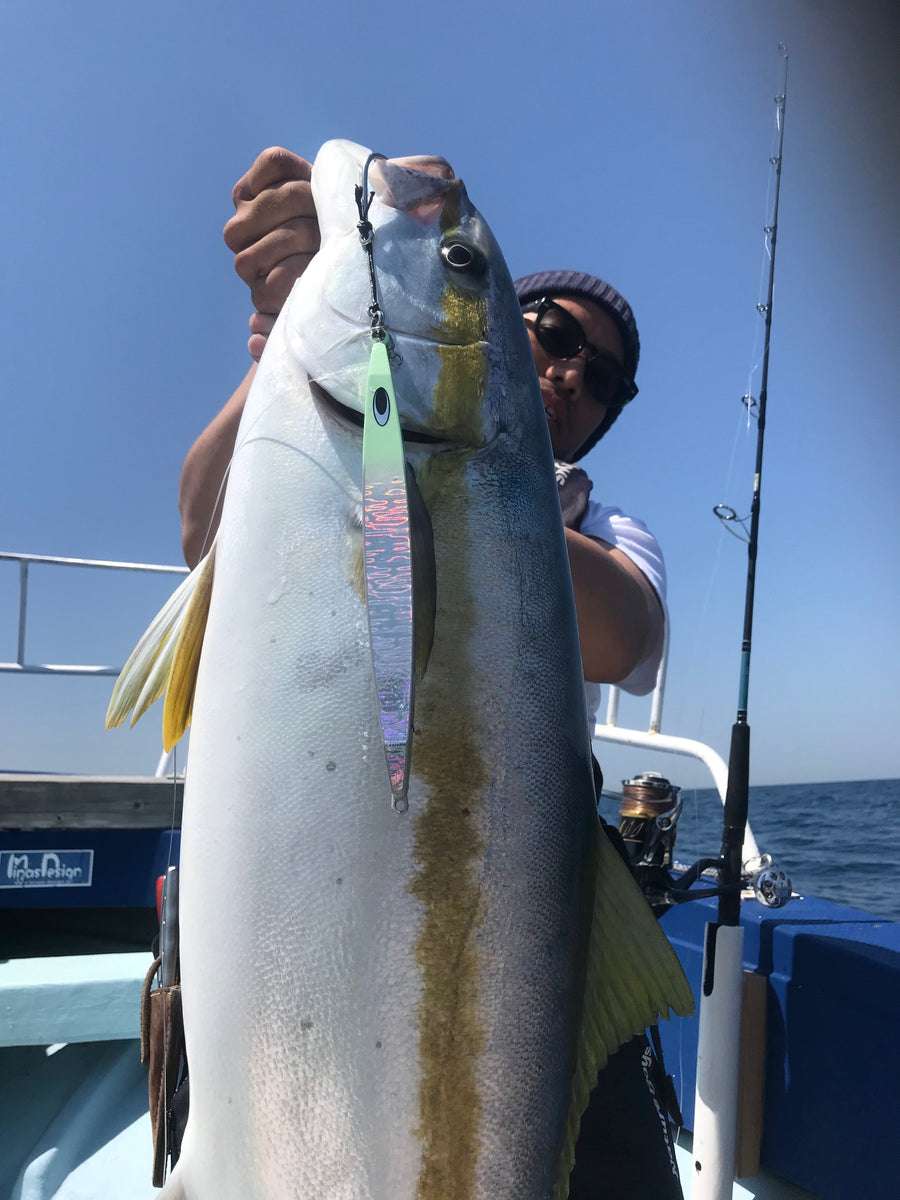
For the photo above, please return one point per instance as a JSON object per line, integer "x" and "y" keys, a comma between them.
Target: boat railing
{"x": 610, "y": 731}
{"x": 654, "y": 739}
{"x": 21, "y": 666}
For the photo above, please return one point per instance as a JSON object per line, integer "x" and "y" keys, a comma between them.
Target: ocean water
{"x": 836, "y": 841}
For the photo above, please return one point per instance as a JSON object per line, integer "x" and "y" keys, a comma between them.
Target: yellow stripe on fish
{"x": 448, "y": 845}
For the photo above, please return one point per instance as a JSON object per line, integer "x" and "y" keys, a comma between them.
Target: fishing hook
{"x": 364, "y": 199}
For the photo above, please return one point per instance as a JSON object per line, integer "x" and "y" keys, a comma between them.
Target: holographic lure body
{"x": 388, "y": 569}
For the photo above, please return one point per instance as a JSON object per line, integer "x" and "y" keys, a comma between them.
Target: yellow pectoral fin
{"x": 632, "y": 964}
{"x": 633, "y": 978}
{"x": 158, "y": 658}
{"x": 183, "y": 676}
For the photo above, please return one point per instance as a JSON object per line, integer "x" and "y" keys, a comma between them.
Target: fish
{"x": 383, "y": 1004}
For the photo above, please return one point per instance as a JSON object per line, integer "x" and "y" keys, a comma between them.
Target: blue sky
{"x": 629, "y": 140}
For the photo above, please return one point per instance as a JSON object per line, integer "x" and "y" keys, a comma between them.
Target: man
{"x": 586, "y": 348}
{"x": 617, "y": 567}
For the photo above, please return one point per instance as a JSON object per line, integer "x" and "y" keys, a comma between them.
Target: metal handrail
{"x": 20, "y": 666}
{"x": 653, "y": 739}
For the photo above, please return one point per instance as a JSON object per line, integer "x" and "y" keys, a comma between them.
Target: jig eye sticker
{"x": 381, "y": 406}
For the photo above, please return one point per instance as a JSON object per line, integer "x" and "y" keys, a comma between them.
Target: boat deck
{"x": 79, "y": 859}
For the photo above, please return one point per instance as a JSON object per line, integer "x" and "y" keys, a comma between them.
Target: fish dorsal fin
{"x": 166, "y": 657}
{"x": 408, "y": 184}
{"x": 633, "y": 978}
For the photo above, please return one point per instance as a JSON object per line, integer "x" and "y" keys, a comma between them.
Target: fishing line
{"x": 174, "y": 803}
{"x": 728, "y": 517}
{"x": 354, "y": 333}
{"x": 220, "y": 493}
{"x": 167, "y": 914}
{"x": 736, "y": 797}
{"x": 239, "y": 445}
{"x": 765, "y": 260}
{"x": 247, "y": 437}
{"x": 749, "y": 400}
{"x": 730, "y": 864}
{"x": 717, "y": 1089}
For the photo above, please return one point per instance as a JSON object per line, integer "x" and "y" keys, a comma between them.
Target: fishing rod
{"x": 721, "y": 1003}
{"x": 653, "y": 797}
{"x": 737, "y": 791}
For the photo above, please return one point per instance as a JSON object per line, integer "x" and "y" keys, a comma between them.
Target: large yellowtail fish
{"x": 385, "y": 1005}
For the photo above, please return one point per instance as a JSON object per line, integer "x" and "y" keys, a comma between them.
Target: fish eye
{"x": 463, "y": 258}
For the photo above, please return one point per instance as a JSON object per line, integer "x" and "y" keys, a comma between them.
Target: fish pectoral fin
{"x": 183, "y": 678}
{"x": 166, "y": 657}
{"x": 633, "y": 978}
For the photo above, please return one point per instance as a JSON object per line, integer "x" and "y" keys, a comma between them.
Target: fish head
{"x": 463, "y": 371}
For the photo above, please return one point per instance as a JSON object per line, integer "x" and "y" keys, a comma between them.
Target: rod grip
{"x": 735, "y": 820}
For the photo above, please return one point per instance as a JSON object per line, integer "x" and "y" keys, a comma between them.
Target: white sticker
{"x": 46, "y": 868}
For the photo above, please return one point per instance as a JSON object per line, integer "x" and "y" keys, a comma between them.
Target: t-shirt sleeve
{"x": 633, "y": 538}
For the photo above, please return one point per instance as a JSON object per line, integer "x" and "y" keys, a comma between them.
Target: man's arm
{"x": 273, "y": 235}
{"x": 200, "y": 490}
{"x": 620, "y": 616}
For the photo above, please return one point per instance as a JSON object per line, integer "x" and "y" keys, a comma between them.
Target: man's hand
{"x": 273, "y": 234}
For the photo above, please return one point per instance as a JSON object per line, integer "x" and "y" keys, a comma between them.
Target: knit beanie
{"x": 554, "y": 284}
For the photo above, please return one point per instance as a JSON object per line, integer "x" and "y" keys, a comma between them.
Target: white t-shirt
{"x": 633, "y": 538}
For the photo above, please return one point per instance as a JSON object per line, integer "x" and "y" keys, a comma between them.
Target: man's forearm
{"x": 200, "y": 490}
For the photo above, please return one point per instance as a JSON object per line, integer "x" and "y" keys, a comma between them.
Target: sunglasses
{"x": 561, "y": 336}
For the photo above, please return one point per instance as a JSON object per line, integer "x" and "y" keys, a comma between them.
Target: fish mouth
{"x": 348, "y": 417}
{"x": 437, "y": 337}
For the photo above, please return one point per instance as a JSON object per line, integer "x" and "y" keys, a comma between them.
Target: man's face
{"x": 573, "y": 414}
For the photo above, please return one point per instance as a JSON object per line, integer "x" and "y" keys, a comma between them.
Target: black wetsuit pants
{"x": 625, "y": 1149}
